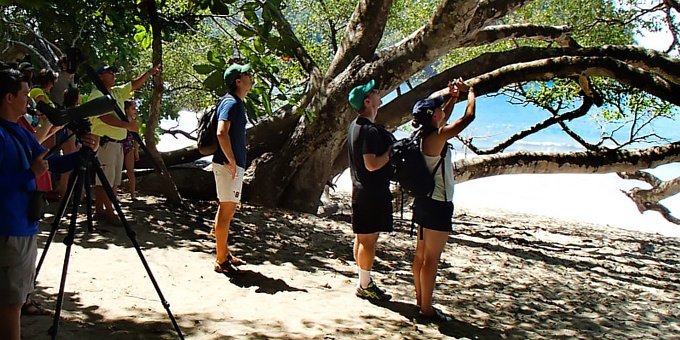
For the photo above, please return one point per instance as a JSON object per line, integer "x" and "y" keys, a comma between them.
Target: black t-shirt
{"x": 368, "y": 138}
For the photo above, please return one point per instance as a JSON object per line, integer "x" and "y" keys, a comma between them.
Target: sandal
{"x": 437, "y": 316}
{"x": 235, "y": 261}
{"x": 225, "y": 268}
{"x": 31, "y": 307}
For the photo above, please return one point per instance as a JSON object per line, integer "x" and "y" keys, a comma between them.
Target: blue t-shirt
{"x": 231, "y": 109}
{"x": 16, "y": 181}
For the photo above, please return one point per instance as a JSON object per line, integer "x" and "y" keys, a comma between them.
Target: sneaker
{"x": 372, "y": 292}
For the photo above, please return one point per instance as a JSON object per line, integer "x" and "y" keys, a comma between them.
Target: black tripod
{"x": 80, "y": 179}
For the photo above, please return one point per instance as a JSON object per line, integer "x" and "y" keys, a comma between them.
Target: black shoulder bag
{"x": 37, "y": 204}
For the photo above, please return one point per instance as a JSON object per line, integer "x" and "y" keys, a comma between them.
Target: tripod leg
{"x": 57, "y": 218}
{"x": 133, "y": 238}
{"x": 68, "y": 241}
{"x": 88, "y": 199}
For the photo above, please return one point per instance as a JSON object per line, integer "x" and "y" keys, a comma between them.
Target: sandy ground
{"x": 502, "y": 276}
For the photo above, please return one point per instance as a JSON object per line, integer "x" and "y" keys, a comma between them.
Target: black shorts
{"x": 433, "y": 214}
{"x": 371, "y": 211}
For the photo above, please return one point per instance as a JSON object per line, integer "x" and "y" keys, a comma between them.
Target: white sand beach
{"x": 587, "y": 198}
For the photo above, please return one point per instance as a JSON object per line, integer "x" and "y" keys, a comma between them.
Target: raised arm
{"x": 453, "y": 129}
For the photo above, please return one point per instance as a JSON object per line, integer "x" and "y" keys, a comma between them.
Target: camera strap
{"x": 17, "y": 141}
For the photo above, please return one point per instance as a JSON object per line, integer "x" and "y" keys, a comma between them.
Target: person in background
{"x": 27, "y": 70}
{"x": 45, "y": 130}
{"x": 131, "y": 149}
{"x": 433, "y": 214}
{"x": 65, "y": 79}
{"x": 113, "y": 131}
{"x": 71, "y": 98}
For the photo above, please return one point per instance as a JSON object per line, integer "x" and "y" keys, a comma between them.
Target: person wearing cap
{"x": 229, "y": 161}
{"x": 113, "y": 131}
{"x": 369, "y": 148}
{"x": 433, "y": 213}
{"x": 27, "y": 70}
{"x": 45, "y": 130}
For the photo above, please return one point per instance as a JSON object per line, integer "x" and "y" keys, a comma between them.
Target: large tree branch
{"x": 395, "y": 113}
{"x": 561, "y": 67}
{"x": 362, "y": 35}
{"x": 575, "y": 162}
{"x": 648, "y": 199}
{"x": 453, "y": 22}
{"x": 493, "y": 34}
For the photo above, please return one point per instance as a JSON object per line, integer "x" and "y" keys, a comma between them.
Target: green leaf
{"x": 213, "y": 57}
{"x": 251, "y": 16}
{"x": 245, "y": 31}
{"x": 214, "y": 80}
{"x": 259, "y": 45}
{"x": 204, "y": 68}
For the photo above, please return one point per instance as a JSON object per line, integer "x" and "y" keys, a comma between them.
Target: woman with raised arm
{"x": 433, "y": 213}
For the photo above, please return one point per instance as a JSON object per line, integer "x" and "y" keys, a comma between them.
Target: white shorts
{"x": 228, "y": 189}
{"x": 17, "y": 268}
{"x": 111, "y": 157}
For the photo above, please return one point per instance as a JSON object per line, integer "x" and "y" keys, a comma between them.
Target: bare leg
{"x": 433, "y": 243}
{"x": 100, "y": 198}
{"x": 130, "y": 172}
{"x": 10, "y": 322}
{"x": 417, "y": 266}
{"x": 225, "y": 213}
{"x": 364, "y": 253}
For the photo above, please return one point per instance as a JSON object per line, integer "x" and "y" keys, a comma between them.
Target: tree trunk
{"x": 170, "y": 192}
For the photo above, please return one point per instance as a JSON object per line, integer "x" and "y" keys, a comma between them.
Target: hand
{"x": 154, "y": 70}
{"x": 39, "y": 166}
{"x": 461, "y": 85}
{"x": 231, "y": 166}
{"x": 453, "y": 90}
{"x": 91, "y": 141}
{"x": 136, "y": 155}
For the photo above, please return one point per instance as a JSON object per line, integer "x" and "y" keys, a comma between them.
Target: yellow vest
{"x": 120, "y": 93}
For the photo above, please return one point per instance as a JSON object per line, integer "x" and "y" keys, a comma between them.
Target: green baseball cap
{"x": 234, "y": 71}
{"x": 358, "y": 94}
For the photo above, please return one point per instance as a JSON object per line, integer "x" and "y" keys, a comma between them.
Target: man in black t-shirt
{"x": 369, "y": 147}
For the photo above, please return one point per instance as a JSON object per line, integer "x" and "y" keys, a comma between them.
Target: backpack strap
{"x": 350, "y": 146}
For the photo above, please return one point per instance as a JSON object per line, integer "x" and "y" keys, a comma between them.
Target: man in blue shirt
{"x": 22, "y": 160}
{"x": 229, "y": 161}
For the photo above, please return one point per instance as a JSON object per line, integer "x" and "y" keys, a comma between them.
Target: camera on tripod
{"x": 94, "y": 107}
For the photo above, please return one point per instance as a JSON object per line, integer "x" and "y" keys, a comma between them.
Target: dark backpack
{"x": 410, "y": 170}
{"x": 206, "y": 138}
